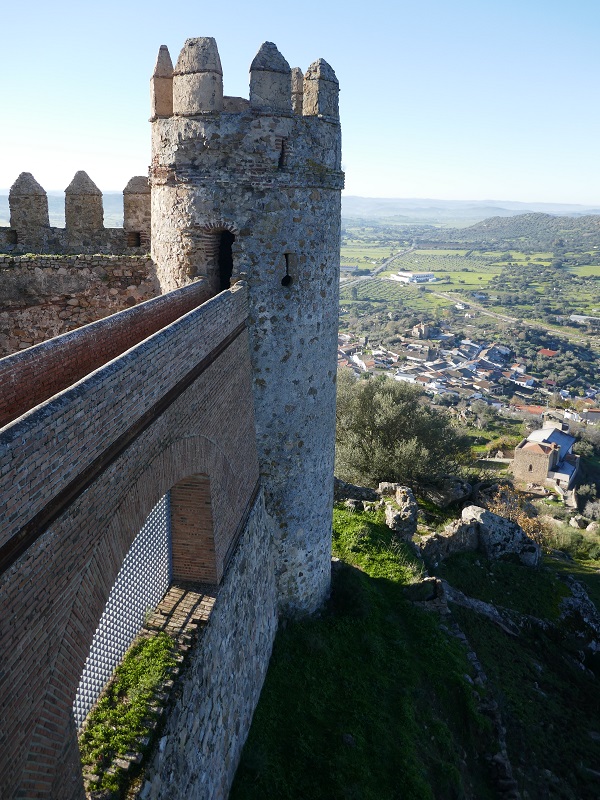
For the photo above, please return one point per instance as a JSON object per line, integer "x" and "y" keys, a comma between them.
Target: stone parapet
{"x": 46, "y": 296}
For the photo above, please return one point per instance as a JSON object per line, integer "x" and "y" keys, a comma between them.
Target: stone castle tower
{"x": 251, "y": 189}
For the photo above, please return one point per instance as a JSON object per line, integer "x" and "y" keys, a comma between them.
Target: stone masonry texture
{"x": 214, "y": 381}
{"x": 273, "y": 180}
{"x": 45, "y": 296}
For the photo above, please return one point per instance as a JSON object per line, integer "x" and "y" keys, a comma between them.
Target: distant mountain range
{"x": 443, "y": 212}
{"x": 492, "y": 214}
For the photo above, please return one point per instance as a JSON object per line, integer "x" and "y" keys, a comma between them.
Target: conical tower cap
{"x": 199, "y": 55}
{"x": 164, "y": 66}
{"x": 26, "y": 185}
{"x": 269, "y": 59}
{"x": 82, "y": 184}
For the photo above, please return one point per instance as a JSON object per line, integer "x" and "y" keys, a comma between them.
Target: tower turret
{"x": 161, "y": 85}
{"x": 28, "y": 204}
{"x": 84, "y": 213}
{"x": 198, "y": 78}
{"x": 270, "y": 80}
{"x": 256, "y": 189}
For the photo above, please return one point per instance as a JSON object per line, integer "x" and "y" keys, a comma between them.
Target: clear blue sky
{"x": 471, "y": 99}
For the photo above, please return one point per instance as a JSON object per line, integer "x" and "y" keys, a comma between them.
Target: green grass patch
{"x": 503, "y": 583}
{"x": 369, "y": 701}
{"x": 119, "y": 720}
{"x": 548, "y": 705}
{"x": 586, "y": 571}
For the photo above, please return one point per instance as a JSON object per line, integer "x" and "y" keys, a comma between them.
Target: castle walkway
{"x": 99, "y": 425}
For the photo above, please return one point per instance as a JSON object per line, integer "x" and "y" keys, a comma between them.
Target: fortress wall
{"x": 84, "y": 230}
{"x": 110, "y": 241}
{"x": 205, "y": 733}
{"x": 32, "y": 376}
{"x": 79, "y": 476}
{"x": 45, "y": 296}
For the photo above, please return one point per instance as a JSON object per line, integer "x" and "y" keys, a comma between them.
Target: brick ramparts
{"x": 33, "y": 375}
{"x": 79, "y": 474}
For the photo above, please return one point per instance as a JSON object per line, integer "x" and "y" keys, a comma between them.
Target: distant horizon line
{"x": 487, "y": 200}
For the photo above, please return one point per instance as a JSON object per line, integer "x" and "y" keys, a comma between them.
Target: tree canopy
{"x": 386, "y": 431}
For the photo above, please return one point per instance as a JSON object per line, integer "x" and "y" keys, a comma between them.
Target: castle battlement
{"x": 84, "y": 231}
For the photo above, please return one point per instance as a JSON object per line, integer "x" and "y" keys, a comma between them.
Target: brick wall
{"x": 45, "y": 296}
{"x": 194, "y": 557}
{"x": 79, "y": 475}
{"x": 31, "y": 376}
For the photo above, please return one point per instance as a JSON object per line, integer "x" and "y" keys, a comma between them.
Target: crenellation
{"x": 30, "y": 231}
{"x": 297, "y": 90}
{"x": 270, "y": 81}
{"x": 198, "y": 78}
{"x": 321, "y": 92}
{"x": 29, "y": 220}
{"x": 84, "y": 213}
{"x": 136, "y": 212}
{"x": 161, "y": 85}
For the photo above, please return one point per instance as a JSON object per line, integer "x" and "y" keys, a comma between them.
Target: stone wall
{"x": 79, "y": 475}
{"x": 45, "y": 296}
{"x": 205, "y": 733}
{"x": 530, "y": 467}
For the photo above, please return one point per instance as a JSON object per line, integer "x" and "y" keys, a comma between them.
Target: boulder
{"x": 354, "y": 505}
{"x": 577, "y": 522}
{"x": 479, "y": 529}
{"x": 500, "y": 537}
{"x": 451, "y": 490}
{"x": 402, "y": 517}
{"x": 455, "y": 538}
{"x": 593, "y": 527}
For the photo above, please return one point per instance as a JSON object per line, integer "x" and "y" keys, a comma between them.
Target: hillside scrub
{"x": 385, "y": 432}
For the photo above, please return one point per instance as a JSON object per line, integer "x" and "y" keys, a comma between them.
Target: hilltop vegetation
{"x": 538, "y": 231}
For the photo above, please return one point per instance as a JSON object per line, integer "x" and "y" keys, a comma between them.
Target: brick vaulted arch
{"x": 176, "y": 405}
{"x": 180, "y": 465}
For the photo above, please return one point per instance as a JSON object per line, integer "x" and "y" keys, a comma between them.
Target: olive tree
{"x": 387, "y": 431}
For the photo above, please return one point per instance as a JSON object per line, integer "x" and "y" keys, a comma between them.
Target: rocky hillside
{"x": 451, "y": 662}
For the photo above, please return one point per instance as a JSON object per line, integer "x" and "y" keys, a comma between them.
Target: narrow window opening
{"x": 12, "y": 237}
{"x": 282, "y": 155}
{"x": 134, "y": 239}
{"x": 225, "y": 259}
{"x": 287, "y": 278}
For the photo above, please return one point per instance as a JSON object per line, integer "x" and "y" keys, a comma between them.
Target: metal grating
{"x": 140, "y": 585}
